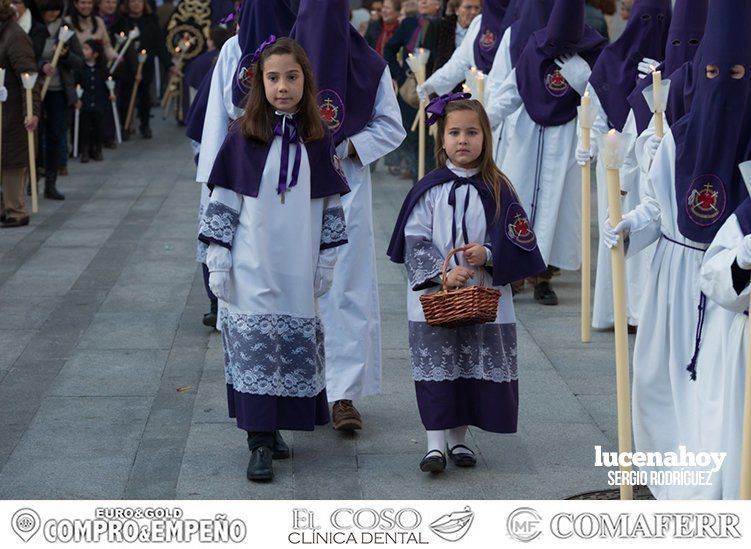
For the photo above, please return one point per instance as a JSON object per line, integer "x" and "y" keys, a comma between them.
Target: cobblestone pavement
{"x": 100, "y": 324}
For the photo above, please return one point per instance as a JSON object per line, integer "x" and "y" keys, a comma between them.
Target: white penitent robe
{"x": 220, "y": 111}
{"x": 717, "y": 285}
{"x": 602, "y": 311}
{"x": 271, "y": 332}
{"x": 541, "y": 164}
{"x": 502, "y": 126}
{"x": 452, "y": 73}
{"x": 668, "y": 407}
{"x": 350, "y": 311}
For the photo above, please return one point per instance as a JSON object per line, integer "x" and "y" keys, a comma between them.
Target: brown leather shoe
{"x": 345, "y": 416}
{"x": 9, "y": 222}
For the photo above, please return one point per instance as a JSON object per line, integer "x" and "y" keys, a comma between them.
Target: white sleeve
{"x": 217, "y": 118}
{"x": 451, "y": 74}
{"x": 385, "y": 131}
{"x": 497, "y": 76}
{"x": 221, "y": 218}
{"x": 716, "y": 275}
{"x": 424, "y": 262}
{"x": 506, "y": 102}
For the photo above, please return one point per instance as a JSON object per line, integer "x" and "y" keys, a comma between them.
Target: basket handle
{"x": 446, "y": 266}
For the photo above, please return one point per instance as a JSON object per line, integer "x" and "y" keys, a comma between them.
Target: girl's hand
{"x": 47, "y": 69}
{"x": 476, "y": 255}
{"x": 458, "y": 276}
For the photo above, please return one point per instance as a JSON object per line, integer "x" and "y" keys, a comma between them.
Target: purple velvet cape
{"x": 198, "y": 67}
{"x": 615, "y": 74}
{"x": 240, "y": 162}
{"x": 548, "y": 98}
{"x": 491, "y": 31}
{"x": 348, "y": 71}
{"x": 533, "y": 16}
{"x": 715, "y": 136}
{"x": 258, "y": 19}
{"x": 512, "y": 259}
{"x": 684, "y": 37}
{"x": 197, "y": 111}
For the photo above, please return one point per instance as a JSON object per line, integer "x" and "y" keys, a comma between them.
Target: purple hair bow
{"x": 257, "y": 55}
{"x": 437, "y": 107}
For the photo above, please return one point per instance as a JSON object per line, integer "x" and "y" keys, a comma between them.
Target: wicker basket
{"x": 462, "y": 307}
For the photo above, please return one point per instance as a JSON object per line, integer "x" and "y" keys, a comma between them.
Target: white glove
{"x": 633, "y": 221}
{"x": 3, "y": 94}
{"x": 583, "y": 155}
{"x": 647, "y": 66}
{"x": 651, "y": 146}
{"x": 575, "y": 70}
{"x": 219, "y": 284}
{"x": 424, "y": 91}
{"x": 743, "y": 253}
{"x": 323, "y": 280}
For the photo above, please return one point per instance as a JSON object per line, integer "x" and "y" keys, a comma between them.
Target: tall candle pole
{"x": 2, "y": 83}
{"x": 480, "y": 79}
{"x": 63, "y": 36}
{"x": 77, "y": 121}
{"x": 613, "y": 147}
{"x": 115, "y": 115}
{"x": 745, "y": 486}
{"x": 657, "y": 94}
{"x": 132, "y": 35}
{"x": 139, "y": 76}
{"x": 417, "y": 63}
{"x": 586, "y": 120}
{"x": 28, "y": 80}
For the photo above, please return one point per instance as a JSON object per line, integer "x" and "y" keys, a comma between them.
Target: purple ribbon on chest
{"x": 286, "y": 128}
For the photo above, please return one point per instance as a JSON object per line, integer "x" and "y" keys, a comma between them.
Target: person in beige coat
{"x": 87, "y": 26}
{"x": 16, "y": 57}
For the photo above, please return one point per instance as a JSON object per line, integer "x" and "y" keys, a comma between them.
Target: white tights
{"x": 437, "y": 440}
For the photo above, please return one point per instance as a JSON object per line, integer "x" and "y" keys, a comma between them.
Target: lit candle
{"x": 480, "y": 79}
{"x": 28, "y": 80}
{"x": 657, "y": 95}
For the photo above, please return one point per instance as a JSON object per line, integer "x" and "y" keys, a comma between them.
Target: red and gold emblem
{"x": 706, "y": 200}
{"x": 518, "y": 229}
{"x": 555, "y": 83}
{"x": 487, "y": 40}
{"x": 331, "y": 108}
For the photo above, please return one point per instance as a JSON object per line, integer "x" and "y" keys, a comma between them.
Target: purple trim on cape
{"x": 715, "y": 136}
{"x": 265, "y": 413}
{"x": 240, "y": 162}
{"x": 511, "y": 262}
{"x": 548, "y": 98}
{"x": 347, "y": 69}
{"x": 615, "y": 74}
{"x": 197, "y": 111}
{"x": 258, "y": 20}
{"x": 684, "y": 37}
{"x": 489, "y": 37}
{"x": 533, "y": 16}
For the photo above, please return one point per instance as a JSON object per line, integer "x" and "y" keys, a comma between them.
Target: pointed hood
{"x": 533, "y": 16}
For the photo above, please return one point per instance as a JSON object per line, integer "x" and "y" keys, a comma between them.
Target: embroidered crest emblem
{"x": 331, "y": 107}
{"x": 518, "y": 229}
{"x": 555, "y": 83}
{"x": 706, "y": 200}
{"x": 487, "y": 40}
{"x": 245, "y": 73}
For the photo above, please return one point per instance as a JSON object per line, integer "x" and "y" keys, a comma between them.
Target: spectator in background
{"x": 359, "y": 17}
{"x": 93, "y": 104}
{"x": 107, "y": 10}
{"x": 594, "y": 15}
{"x": 382, "y": 29}
{"x": 31, "y": 26}
{"x": 453, "y": 28}
{"x": 164, "y": 12}
{"x": 16, "y": 57}
{"x": 409, "y": 9}
{"x": 89, "y": 26}
{"x": 626, "y": 7}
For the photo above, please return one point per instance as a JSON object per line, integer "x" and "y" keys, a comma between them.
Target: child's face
{"x": 283, "y": 82}
{"x": 88, "y": 53}
{"x": 462, "y": 138}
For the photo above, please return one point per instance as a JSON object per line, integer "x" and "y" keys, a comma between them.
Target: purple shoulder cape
{"x": 197, "y": 111}
{"x": 240, "y": 162}
{"x": 513, "y": 242}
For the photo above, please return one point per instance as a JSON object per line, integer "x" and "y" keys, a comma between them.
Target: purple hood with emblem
{"x": 715, "y": 136}
{"x": 533, "y": 15}
{"x": 489, "y": 37}
{"x": 348, "y": 71}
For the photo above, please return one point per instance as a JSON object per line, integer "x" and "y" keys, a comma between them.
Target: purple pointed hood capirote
{"x": 548, "y": 98}
{"x": 616, "y": 73}
{"x": 715, "y": 136}
{"x": 533, "y": 16}
{"x": 258, "y": 19}
{"x": 348, "y": 71}
{"x": 684, "y": 37}
{"x": 491, "y": 31}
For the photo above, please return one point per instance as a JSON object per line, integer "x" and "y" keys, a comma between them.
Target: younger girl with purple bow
{"x": 272, "y": 225}
{"x": 463, "y": 376}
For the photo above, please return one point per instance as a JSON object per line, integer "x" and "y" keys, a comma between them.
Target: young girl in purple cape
{"x": 463, "y": 376}
{"x": 273, "y": 223}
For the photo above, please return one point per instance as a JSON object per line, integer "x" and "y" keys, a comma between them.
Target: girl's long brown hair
{"x": 491, "y": 175}
{"x": 259, "y": 118}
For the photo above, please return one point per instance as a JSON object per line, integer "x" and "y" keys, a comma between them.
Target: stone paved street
{"x": 100, "y": 323}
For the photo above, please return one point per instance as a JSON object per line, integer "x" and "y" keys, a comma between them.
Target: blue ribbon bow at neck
{"x": 286, "y": 128}
{"x": 437, "y": 107}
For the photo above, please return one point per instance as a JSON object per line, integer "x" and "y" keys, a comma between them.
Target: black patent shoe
{"x": 260, "y": 468}
{"x": 433, "y": 462}
{"x": 462, "y": 459}
{"x": 209, "y": 319}
{"x": 281, "y": 449}
{"x": 51, "y": 192}
{"x": 545, "y": 295}
{"x": 146, "y": 132}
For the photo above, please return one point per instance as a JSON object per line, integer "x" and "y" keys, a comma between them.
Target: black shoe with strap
{"x": 545, "y": 295}
{"x": 462, "y": 459}
{"x": 433, "y": 462}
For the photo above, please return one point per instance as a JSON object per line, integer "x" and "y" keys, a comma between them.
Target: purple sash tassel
{"x": 691, "y": 368}
{"x": 287, "y": 130}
